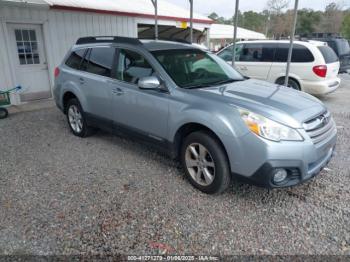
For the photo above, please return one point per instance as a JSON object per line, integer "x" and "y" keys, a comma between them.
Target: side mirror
{"x": 148, "y": 82}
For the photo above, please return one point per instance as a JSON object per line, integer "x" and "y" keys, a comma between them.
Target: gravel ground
{"x": 60, "y": 194}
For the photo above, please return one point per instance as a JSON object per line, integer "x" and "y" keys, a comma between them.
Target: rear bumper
{"x": 320, "y": 87}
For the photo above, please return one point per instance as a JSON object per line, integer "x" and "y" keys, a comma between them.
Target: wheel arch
{"x": 189, "y": 128}
{"x": 68, "y": 95}
{"x": 293, "y": 77}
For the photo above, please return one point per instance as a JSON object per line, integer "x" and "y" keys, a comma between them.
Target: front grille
{"x": 320, "y": 127}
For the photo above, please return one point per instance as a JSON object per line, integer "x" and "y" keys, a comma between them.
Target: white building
{"x": 222, "y": 35}
{"x": 36, "y": 34}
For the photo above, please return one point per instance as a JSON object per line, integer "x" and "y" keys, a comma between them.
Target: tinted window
{"x": 343, "y": 47}
{"x": 132, "y": 66}
{"x": 328, "y": 54}
{"x": 300, "y": 54}
{"x": 74, "y": 59}
{"x": 100, "y": 61}
{"x": 257, "y": 53}
{"x": 226, "y": 54}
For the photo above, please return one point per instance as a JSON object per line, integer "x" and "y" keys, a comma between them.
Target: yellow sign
{"x": 182, "y": 25}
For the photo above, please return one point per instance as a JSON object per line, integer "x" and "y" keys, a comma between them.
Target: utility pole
{"x": 155, "y": 5}
{"x": 290, "y": 51}
{"x": 191, "y": 21}
{"x": 235, "y": 34}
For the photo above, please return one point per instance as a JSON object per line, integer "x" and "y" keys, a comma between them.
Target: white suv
{"x": 314, "y": 68}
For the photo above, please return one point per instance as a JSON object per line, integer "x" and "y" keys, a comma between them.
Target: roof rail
{"x": 108, "y": 39}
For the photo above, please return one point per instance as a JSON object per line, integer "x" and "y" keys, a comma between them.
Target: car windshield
{"x": 193, "y": 68}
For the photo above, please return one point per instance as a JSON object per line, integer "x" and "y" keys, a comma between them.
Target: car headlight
{"x": 267, "y": 128}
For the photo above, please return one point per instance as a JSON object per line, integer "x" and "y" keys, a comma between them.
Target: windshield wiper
{"x": 226, "y": 81}
{"x": 221, "y": 82}
{"x": 196, "y": 86}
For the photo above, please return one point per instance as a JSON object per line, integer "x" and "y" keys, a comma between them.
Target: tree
{"x": 332, "y": 19}
{"x": 254, "y": 21}
{"x": 218, "y": 19}
{"x": 307, "y": 21}
{"x": 345, "y": 29}
{"x": 276, "y": 6}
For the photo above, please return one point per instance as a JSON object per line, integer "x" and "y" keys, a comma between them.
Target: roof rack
{"x": 108, "y": 39}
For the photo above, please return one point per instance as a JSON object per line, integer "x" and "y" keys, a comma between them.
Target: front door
{"x": 29, "y": 60}
{"x": 143, "y": 111}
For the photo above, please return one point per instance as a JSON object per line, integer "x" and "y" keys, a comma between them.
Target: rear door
{"x": 301, "y": 64}
{"x": 331, "y": 60}
{"x": 94, "y": 81}
{"x": 255, "y": 60}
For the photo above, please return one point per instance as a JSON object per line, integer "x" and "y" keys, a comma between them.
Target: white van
{"x": 314, "y": 68}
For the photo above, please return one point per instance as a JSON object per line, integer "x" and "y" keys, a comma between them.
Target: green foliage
{"x": 276, "y": 20}
{"x": 307, "y": 21}
{"x": 345, "y": 29}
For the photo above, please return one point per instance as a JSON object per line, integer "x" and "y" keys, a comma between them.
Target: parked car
{"x": 314, "y": 68}
{"x": 342, "y": 48}
{"x": 217, "y": 122}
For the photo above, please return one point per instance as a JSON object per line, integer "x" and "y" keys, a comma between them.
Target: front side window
{"x": 191, "y": 68}
{"x": 226, "y": 54}
{"x": 132, "y": 66}
{"x": 101, "y": 61}
{"x": 75, "y": 57}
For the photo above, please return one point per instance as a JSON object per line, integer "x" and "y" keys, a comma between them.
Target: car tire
{"x": 76, "y": 119}
{"x": 291, "y": 83}
{"x": 207, "y": 169}
{"x": 3, "y": 113}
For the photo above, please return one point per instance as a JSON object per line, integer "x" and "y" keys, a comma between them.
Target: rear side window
{"x": 132, "y": 66}
{"x": 300, "y": 54}
{"x": 100, "y": 61}
{"x": 328, "y": 54}
{"x": 74, "y": 59}
{"x": 257, "y": 53}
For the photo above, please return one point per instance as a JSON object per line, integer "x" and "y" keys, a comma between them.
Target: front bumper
{"x": 296, "y": 172}
{"x": 255, "y": 159}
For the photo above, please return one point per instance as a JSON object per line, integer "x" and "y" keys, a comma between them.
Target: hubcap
{"x": 75, "y": 118}
{"x": 200, "y": 164}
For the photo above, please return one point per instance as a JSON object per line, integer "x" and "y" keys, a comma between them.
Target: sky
{"x": 226, "y": 7}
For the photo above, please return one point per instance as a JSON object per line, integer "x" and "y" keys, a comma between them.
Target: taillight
{"x": 56, "y": 72}
{"x": 320, "y": 70}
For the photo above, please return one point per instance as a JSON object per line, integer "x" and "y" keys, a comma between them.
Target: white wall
{"x": 60, "y": 30}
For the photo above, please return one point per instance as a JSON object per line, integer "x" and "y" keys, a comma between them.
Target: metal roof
{"x": 142, "y": 8}
{"x": 220, "y": 31}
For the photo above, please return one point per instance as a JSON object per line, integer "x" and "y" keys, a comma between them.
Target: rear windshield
{"x": 329, "y": 55}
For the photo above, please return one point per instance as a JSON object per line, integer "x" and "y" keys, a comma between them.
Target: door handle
{"x": 81, "y": 80}
{"x": 118, "y": 91}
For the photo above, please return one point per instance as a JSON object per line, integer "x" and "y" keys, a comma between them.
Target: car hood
{"x": 276, "y": 102}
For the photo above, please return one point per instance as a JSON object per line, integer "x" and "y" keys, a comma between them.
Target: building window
{"x": 27, "y": 46}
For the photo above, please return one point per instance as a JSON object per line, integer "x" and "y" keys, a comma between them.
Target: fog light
{"x": 279, "y": 175}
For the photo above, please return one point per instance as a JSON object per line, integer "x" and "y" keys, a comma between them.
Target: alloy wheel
{"x": 200, "y": 164}
{"x": 75, "y": 118}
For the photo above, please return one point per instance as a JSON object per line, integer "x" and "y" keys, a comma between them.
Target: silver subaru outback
{"x": 195, "y": 107}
